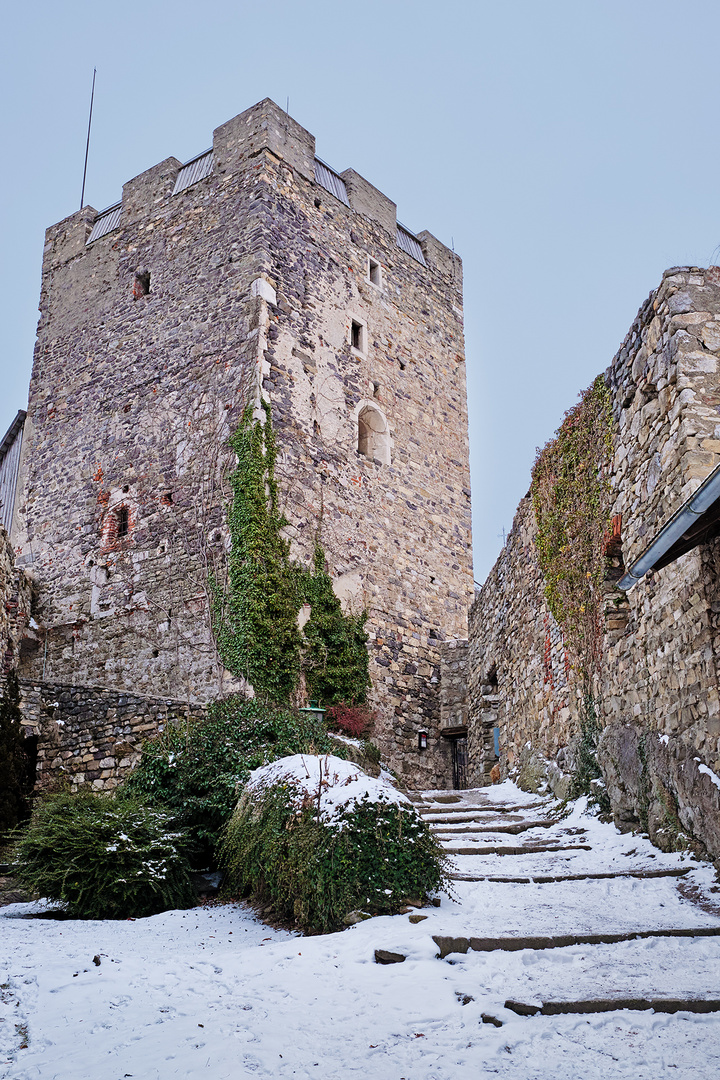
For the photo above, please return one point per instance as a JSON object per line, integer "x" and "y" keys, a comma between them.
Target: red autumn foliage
{"x": 353, "y": 720}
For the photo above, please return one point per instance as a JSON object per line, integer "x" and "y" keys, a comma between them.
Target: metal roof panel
{"x": 105, "y": 222}
{"x": 409, "y": 243}
{"x": 195, "y": 169}
{"x": 331, "y": 181}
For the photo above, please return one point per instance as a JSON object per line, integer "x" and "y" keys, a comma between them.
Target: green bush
{"x": 104, "y": 858}
{"x": 368, "y": 855}
{"x": 196, "y": 770}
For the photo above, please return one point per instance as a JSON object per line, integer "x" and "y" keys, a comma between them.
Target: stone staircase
{"x": 529, "y": 877}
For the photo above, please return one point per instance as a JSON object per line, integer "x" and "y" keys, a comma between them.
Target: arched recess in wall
{"x": 373, "y": 434}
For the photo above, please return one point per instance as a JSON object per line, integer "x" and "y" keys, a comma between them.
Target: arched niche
{"x": 373, "y": 435}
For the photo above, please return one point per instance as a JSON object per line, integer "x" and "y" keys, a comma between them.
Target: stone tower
{"x": 252, "y": 269}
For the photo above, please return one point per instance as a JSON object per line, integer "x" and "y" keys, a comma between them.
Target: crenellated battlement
{"x": 235, "y": 148}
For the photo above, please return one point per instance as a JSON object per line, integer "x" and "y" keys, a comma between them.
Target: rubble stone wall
{"x": 90, "y": 734}
{"x": 256, "y": 276}
{"x": 15, "y": 603}
{"x": 658, "y": 689}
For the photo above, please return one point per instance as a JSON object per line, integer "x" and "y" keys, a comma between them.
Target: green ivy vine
{"x": 572, "y": 500}
{"x": 255, "y": 615}
{"x": 336, "y": 661}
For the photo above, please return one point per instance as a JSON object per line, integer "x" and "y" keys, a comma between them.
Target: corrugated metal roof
{"x": 409, "y": 243}
{"x": 329, "y": 179}
{"x": 9, "y": 466}
{"x": 195, "y": 169}
{"x": 105, "y": 222}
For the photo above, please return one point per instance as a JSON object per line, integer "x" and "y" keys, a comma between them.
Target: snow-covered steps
{"x": 512, "y": 943}
{"x": 545, "y": 879}
{"x": 509, "y": 849}
{"x": 514, "y": 828}
{"x": 598, "y": 1005}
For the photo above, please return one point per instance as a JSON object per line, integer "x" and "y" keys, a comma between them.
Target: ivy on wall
{"x": 572, "y": 500}
{"x": 336, "y": 661}
{"x": 16, "y": 769}
{"x": 255, "y": 616}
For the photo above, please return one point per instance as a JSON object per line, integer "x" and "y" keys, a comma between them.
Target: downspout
{"x": 677, "y": 526}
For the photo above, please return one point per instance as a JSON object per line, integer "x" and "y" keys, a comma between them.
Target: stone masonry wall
{"x": 453, "y": 683}
{"x": 91, "y": 734}
{"x": 256, "y": 276}
{"x": 518, "y": 679}
{"x": 658, "y": 690}
{"x": 15, "y": 603}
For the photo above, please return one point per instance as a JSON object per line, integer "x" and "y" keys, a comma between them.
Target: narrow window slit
{"x": 123, "y": 522}
{"x": 141, "y": 285}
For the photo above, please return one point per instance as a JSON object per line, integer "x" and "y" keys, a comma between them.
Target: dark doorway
{"x": 459, "y": 748}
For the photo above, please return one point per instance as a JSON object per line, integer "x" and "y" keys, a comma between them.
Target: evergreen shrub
{"x": 317, "y": 863}
{"x": 196, "y": 769}
{"x": 104, "y": 858}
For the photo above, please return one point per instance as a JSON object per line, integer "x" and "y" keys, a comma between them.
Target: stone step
{"x": 478, "y": 808}
{"x": 522, "y": 826}
{"x": 545, "y": 879}
{"x": 515, "y": 850}
{"x": 449, "y": 945}
{"x": 598, "y": 1005}
{"x": 466, "y": 819}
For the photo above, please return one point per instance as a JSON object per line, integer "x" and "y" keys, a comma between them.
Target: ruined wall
{"x": 92, "y": 735}
{"x": 256, "y": 276}
{"x": 658, "y": 690}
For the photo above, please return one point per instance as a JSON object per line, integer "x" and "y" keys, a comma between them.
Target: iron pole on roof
{"x": 87, "y": 144}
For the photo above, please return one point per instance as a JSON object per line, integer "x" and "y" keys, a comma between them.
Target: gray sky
{"x": 568, "y": 147}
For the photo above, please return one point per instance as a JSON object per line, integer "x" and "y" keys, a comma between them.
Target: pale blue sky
{"x": 568, "y": 147}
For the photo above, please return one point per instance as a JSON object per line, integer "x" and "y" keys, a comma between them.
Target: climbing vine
{"x": 336, "y": 658}
{"x": 255, "y": 614}
{"x": 571, "y": 499}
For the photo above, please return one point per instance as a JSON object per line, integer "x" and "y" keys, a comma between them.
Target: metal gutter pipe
{"x": 677, "y": 526}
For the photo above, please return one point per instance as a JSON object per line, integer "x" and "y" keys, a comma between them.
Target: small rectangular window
{"x": 374, "y": 273}
{"x": 357, "y": 336}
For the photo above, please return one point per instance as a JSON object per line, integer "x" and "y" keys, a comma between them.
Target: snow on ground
{"x": 213, "y": 991}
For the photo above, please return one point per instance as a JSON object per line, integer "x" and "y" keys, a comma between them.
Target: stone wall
{"x": 453, "y": 683}
{"x": 256, "y": 276}
{"x": 658, "y": 690}
{"x": 90, "y": 734}
{"x": 518, "y": 678}
{"x": 15, "y": 603}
